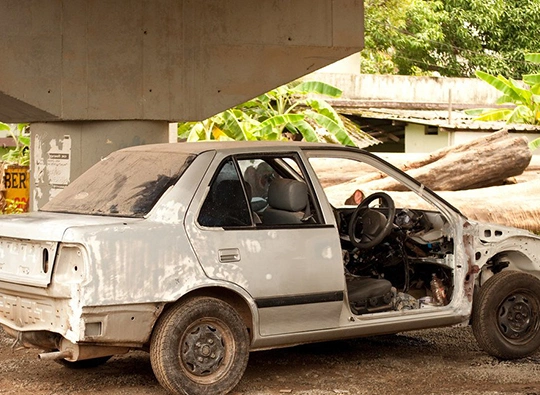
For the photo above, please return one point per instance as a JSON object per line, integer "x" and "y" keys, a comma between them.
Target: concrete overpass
{"x": 94, "y": 76}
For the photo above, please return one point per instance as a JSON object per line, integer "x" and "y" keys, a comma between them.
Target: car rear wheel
{"x": 506, "y": 315}
{"x": 200, "y": 347}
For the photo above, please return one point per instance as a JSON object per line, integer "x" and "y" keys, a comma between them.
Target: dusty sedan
{"x": 201, "y": 253}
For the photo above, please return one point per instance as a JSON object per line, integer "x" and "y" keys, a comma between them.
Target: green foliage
{"x": 535, "y": 144}
{"x": 13, "y": 207}
{"x": 524, "y": 95}
{"x": 289, "y": 112}
{"x": 20, "y": 155}
{"x": 451, "y": 37}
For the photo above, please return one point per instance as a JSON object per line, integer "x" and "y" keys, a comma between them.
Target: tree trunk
{"x": 501, "y": 135}
{"x": 481, "y": 165}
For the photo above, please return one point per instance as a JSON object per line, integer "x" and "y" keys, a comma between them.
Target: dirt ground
{"x": 441, "y": 361}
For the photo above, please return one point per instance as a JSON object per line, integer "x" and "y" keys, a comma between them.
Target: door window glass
{"x": 225, "y": 204}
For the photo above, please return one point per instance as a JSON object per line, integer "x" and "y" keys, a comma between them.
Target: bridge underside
{"x": 154, "y": 60}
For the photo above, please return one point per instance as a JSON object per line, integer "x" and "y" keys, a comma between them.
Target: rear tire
{"x": 200, "y": 347}
{"x": 506, "y": 315}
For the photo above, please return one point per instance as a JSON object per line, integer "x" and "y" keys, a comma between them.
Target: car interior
{"x": 394, "y": 258}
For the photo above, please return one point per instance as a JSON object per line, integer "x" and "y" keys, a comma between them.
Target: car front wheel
{"x": 506, "y": 315}
{"x": 200, "y": 347}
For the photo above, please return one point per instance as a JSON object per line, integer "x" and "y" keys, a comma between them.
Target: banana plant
{"x": 20, "y": 154}
{"x": 524, "y": 96}
{"x": 289, "y": 112}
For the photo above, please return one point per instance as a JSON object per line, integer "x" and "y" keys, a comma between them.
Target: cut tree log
{"x": 511, "y": 205}
{"x": 483, "y": 162}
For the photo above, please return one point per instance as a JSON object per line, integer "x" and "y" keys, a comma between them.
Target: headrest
{"x": 287, "y": 194}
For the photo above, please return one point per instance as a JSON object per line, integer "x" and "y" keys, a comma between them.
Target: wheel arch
{"x": 238, "y": 302}
{"x": 508, "y": 260}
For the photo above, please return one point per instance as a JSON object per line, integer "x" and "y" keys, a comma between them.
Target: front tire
{"x": 506, "y": 315}
{"x": 200, "y": 347}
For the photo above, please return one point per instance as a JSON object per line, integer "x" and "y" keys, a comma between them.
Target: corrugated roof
{"x": 449, "y": 120}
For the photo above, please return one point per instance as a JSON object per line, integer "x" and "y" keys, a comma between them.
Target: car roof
{"x": 247, "y": 146}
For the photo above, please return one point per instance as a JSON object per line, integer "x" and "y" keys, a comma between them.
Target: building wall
{"x": 461, "y": 92}
{"x": 417, "y": 141}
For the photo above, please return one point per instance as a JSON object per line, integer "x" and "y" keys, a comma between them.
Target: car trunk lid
{"x": 29, "y": 242}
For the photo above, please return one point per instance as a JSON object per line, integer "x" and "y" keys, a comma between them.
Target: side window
{"x": 225, "y": 204}
{"x": 258, "y": 174}
{"x": 278, "y": 192}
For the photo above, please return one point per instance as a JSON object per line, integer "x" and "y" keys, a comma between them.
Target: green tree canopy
{"x": 452, "y": 37}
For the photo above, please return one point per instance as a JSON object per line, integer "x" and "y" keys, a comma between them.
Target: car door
{"x": 293, "y": 271}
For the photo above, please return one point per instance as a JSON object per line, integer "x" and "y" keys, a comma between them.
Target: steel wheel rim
{"x": 206, "y": 350}
{"x": 517, "y": 317}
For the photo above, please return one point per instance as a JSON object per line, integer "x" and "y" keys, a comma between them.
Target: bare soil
{"x": 440, "y": 361}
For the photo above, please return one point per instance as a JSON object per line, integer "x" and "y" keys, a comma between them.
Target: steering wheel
{"x": 375, "y": 226}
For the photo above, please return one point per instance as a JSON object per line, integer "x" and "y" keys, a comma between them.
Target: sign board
{"x": 17, "y": 184}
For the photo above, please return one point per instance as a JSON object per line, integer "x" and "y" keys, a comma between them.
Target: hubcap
{"x": 515, "y": 317}
{"x": 203, "y": 349}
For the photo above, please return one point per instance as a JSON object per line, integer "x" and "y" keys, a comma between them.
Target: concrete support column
{"x": 61, "y": 151}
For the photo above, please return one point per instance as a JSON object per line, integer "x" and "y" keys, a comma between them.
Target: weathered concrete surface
{"x": 401, "y": 91}
{"x": 161, "y": 59}
{"x": 62, "y": 151}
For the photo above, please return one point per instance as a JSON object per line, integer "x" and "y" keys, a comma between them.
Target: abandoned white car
{"x": 202, "y": 252}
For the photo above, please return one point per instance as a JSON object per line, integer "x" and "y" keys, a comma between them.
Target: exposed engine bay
{"x": 411, "y": 268}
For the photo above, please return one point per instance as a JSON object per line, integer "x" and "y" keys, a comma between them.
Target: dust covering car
{"x": 202, "y": 252}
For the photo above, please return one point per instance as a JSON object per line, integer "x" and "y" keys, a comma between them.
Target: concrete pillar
{"x": 61, "y": 151}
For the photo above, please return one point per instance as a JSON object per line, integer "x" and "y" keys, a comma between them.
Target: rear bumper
{"x": 118, "y": 325}
{"x": 34, "y": 313}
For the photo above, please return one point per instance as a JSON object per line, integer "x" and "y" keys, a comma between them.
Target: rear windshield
{"x": 125, "y": 184}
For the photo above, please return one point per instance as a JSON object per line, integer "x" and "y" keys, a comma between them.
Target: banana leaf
{"x": 339, "y": 132}
{"x": 279, "y": 121}
{"x": 232, "y": 127}
{"x": 307, "y": 131}
{"x": 535, "y": 144}
{"x": 494, "y": 115}
{"x": 322, "y": 107}
{"x": 532, "y": 57}
{"x": 500, "y": 83}
{"x": 197, "y": 133}
{"x": 521, "y": 114}
{"x": 531, "y": 79}
{"x": 317, "y": 87}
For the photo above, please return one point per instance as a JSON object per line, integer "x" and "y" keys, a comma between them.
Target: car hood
{"x": 47, "y": 226}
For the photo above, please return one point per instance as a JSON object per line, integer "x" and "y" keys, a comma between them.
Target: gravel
{"x": 438, "y": 361}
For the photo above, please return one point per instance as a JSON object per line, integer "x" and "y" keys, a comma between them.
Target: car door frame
{"x": 316, "y": 306}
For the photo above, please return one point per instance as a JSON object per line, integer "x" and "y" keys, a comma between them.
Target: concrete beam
{"x": 161, "y": 59}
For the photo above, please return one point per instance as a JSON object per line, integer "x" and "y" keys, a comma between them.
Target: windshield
{"x": 125, "y": 184}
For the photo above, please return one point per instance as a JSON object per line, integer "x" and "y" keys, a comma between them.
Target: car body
{"x": 203, "y": 252}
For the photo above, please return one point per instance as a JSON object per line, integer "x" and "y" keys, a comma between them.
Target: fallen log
{"x": 479, "y": 166}
{"x": 483, "y": 162}
{"x": 337, "y": 173}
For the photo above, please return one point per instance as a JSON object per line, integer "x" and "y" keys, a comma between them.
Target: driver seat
{"x": 287, "y": 202}
{"x": 369, "y": 295}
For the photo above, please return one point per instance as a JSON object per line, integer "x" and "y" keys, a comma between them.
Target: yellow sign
{"x": 17, "y": 184}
